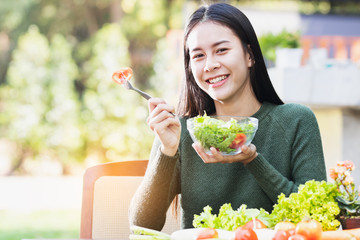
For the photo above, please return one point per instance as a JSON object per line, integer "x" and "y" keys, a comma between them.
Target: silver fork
{"x": 128, "y": 86}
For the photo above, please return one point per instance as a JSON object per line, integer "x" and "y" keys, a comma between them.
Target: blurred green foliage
{"x": 270, "y": 42}
{"x": 57, "y": 99}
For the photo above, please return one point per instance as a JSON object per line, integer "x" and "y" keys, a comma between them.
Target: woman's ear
{"x": 251, "y": 59}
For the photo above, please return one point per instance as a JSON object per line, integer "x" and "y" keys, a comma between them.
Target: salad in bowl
{"x": 225, "y": 133}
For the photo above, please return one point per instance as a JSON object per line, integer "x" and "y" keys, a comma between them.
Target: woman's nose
{"x": 211, "y": 64}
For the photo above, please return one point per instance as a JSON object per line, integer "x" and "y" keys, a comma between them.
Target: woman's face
{"x": 218, "y": 61}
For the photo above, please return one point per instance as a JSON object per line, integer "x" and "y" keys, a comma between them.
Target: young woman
{"x": 225, "y": 75}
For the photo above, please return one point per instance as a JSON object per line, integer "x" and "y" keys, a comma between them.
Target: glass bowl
{"x": 225, "y": 133}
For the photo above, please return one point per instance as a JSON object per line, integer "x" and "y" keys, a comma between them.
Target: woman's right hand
{"x": 165, "y": 125}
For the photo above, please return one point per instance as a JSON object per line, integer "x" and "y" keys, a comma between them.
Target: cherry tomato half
{"x": 255, "y": 224}
{"x": 244, "y": 233}
{"x": 239, "y": 140}
{"x": 310, "y": 229}
{"x": 207, "y": 233}
{"x": 122, "y": 75}
{"x": 297, "y": 237}
{"x": 284, "y": 225}
{"x": 281, "y": 235}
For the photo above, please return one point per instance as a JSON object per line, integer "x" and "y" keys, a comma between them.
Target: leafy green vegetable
{"x": 139, "y": 233}
{"x": 146, "y": 237}
{"x": 229, "y": 219}
{"x": 212, "y": 132}
{"x": 314, "y": 199}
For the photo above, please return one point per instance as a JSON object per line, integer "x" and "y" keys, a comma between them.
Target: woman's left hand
{"x": 248, "y": 153}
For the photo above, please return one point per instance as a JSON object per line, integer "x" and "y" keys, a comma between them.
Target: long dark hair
{"x": 193, "y": 100}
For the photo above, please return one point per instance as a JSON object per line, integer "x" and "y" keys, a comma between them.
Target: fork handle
{"x": 144, "y": 94}
{"x": 147, "y": 97}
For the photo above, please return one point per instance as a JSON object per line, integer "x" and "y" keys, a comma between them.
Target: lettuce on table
{"x": 314, "y": 199}
{"x": 230, "y": 219}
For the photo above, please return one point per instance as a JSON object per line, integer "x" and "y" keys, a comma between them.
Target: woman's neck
{"x": 244, "y": 106}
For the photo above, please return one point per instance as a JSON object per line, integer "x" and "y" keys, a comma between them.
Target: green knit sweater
{"x": 289, "y": 153}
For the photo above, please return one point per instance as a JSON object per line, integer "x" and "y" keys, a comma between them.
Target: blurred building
{"x": 327, "y": 79}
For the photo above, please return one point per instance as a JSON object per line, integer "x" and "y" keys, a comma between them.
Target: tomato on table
{"x": 284, "y": 225}
{"x": 297, "y": 237}
{"x": 244, "y": 233}
{"x": 281, "y": 235}
{"x": 255, "y": 224}
{"x": 207, "y": 233}
{"x": 122, "y": 75}
{"x": 310, "y": 229}
{"x": 238, "y": 141}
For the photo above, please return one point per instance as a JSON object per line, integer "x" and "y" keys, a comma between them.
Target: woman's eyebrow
{"x": 214, "y": 45}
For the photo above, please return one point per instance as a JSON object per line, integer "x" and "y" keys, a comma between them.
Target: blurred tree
{"x": 40, "y": 109}
{"x": 167, "y": 73}
{"x": 113, "y": 122}
{"x": 57, "y": 98}
{"x": 152, "y": 23}
{"x": 63, "y": 110}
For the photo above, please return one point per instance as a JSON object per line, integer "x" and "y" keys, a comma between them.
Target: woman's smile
{"x": 217, "y": 81}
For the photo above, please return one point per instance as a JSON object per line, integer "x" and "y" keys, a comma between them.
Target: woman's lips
{"x": 217, "y": 81}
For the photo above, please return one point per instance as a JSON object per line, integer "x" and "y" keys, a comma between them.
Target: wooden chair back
{"x": 107, "y": 191}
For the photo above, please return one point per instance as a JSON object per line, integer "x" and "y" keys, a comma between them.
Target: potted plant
{"x": 348, "y": 196}
{"x": 272, "y": 44}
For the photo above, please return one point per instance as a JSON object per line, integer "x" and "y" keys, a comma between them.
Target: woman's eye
{"x": 221, "y": 50}
{"x": 198, "y": 56}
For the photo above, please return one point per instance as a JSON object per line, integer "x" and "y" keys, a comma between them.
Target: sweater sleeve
{"x": 152, "y": 199}
{"x": 271, "y": 181}
{"x": 306, "y": 158}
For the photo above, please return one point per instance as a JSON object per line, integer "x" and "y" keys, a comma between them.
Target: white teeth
{"x": 218, "y": 79}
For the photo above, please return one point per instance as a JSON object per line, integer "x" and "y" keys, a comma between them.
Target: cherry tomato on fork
{"x": 122, "y": 75}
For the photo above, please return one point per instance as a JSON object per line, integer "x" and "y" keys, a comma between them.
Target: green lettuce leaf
{"x": 230, "y": 219}
{"x": 314, "y": 199}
